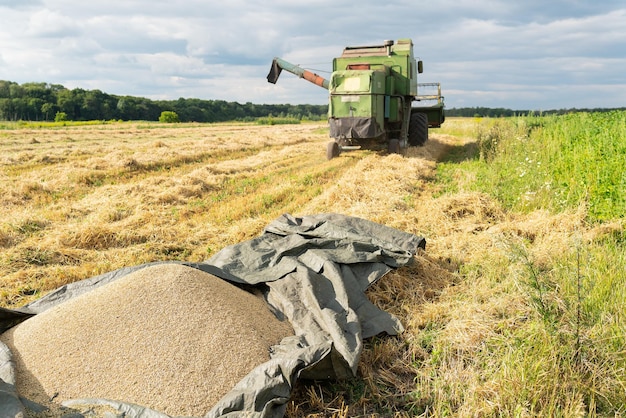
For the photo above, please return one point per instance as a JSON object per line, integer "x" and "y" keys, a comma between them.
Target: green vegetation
{"x": 60, "y": 117}
{"x": 169, "y": 117}
{"x": 277, "y": 121}
{"x": 560, "y": 350}
{"x": 553, "y": 162}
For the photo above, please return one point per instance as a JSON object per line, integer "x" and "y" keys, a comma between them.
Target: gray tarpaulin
{"x": 314, "y": 269}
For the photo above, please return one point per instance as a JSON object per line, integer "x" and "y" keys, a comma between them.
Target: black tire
{"x": 394, "y": 146}
{"x": 418, "y": 129}
{"x": 332, "y": 150}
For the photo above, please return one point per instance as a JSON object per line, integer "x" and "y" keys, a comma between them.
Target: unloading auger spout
{"x": 279, "y": 64}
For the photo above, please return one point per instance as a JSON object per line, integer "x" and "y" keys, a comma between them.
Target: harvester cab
{"x": 371, "y": 95}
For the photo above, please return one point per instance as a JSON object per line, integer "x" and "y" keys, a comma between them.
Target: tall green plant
{"x": 556, "y": 162}
{"x": 563, "y": 351}
{"x": 167, "y": 116}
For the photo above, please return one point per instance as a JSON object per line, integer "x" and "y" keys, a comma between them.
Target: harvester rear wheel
{"x": 418, "y": 129}
{"x": 332, "y": 150}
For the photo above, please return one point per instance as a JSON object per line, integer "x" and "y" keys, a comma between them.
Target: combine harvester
{"x": 372, "y": 90}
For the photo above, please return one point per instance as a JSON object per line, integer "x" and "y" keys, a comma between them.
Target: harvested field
{"x": 81, "y": 201}
{"x": 86, "y": 200}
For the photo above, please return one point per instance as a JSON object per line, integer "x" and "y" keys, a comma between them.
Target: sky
{"x": 521, "y": 55}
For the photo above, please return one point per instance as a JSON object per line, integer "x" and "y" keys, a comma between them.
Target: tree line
{"x": 44, "y": 102}
{"x": 498, "y": 112}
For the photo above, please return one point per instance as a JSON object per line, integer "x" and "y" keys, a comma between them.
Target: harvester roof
{"x": 401, "y": 47}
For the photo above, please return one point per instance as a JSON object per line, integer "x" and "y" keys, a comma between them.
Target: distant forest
{"x": 501, "y": 112}
{"x": 44, "y": 102}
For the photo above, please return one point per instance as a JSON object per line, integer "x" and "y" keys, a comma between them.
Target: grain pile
{"x": 168, "y": 337}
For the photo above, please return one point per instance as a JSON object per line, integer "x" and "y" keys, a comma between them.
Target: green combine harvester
{"x": 372, "y": 90}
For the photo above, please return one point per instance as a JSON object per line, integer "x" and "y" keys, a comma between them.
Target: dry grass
{"x": 85, "y": 200}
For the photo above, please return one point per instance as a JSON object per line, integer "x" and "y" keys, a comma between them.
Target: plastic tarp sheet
{"x": 314, "y": 269}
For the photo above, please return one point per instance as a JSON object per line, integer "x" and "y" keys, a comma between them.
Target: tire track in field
{"x": 389, "y": 189}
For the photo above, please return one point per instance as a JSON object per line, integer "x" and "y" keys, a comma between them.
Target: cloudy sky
{"x": 535, "y": 54}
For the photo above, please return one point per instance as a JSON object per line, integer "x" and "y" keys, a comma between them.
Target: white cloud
{"x": 50, "y": 24}
{"x": 485, "y": 52}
